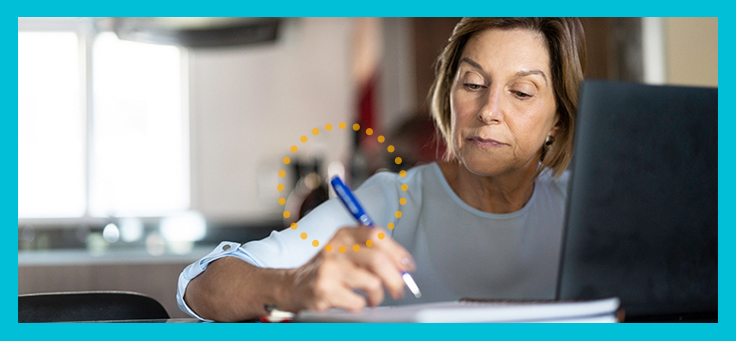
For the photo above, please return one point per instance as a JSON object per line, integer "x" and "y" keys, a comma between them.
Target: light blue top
{"x": 460, "y": 251}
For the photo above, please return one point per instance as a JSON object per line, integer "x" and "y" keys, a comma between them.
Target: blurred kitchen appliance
{"x": 198, "y": 32}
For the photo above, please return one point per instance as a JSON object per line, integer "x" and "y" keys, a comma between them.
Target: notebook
{"x": 475, "y": 312}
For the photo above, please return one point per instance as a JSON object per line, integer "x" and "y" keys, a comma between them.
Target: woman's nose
{"x": 491, "y": 107}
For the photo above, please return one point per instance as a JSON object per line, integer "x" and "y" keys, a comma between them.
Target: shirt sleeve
{"x": 193, "y": 270}
{"x": 292, "y": 248}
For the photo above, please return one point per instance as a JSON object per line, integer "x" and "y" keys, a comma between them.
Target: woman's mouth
{"x": 485, "y": 143}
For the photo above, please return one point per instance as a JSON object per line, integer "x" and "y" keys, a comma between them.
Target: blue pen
{"x": 351, "y": 203}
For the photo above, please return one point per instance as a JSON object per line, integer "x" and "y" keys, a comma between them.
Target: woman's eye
{"x": 472, "y": 86}
{"x": 521, "y": 94}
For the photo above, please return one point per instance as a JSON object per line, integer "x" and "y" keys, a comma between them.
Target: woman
{"x": 486, "y": 223}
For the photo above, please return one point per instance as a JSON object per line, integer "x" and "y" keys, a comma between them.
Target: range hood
{"x": 198, "y": 32}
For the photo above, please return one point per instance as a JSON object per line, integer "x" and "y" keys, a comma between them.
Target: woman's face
{"x": 502, "y": 101}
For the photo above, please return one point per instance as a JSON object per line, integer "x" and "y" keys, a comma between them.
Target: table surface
{"x": 171, "y": 320}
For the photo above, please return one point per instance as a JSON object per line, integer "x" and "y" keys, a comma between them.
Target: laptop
{"x": 642, "y": 212}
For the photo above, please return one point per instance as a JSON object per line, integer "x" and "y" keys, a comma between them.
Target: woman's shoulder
{"x": 386, "y": 188}
{"x": 391, "y": 180}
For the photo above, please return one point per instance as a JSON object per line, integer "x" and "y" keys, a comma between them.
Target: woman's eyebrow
{"x": 471, "y": 62}
{"x": 532, "y": 72}
{"x": 518, "y": 74}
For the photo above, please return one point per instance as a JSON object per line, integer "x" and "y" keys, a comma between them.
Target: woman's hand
{"x": 328, "y": 279}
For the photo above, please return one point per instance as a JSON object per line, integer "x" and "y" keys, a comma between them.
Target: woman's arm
{"x": 237, "y": 287}
{"x": 232, "y": 290}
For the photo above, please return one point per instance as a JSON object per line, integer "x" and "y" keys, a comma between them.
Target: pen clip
{"x": 351, "y": 203}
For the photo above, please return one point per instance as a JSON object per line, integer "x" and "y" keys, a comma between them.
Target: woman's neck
{"x": 493, "y": 194}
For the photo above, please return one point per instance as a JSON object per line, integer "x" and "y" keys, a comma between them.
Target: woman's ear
{"x": 555, "y": 127}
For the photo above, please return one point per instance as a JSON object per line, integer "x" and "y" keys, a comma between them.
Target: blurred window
{"x": 51, "y": 125}
{"x": 133, "y": 159}
{"x": 140, "y": 160}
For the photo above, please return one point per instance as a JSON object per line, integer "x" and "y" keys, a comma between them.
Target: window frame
{"x": 87, "y": 29}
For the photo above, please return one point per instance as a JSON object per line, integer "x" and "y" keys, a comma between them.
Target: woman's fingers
{"x": 381, "y": 265}
{"x": 366, "y": 282}
{"x": 383, "y": 258}
{"x": 383, "y": 243}
{"x": 400, "y": 257}
{"x": 338, "y": 295}
{"x": 375, "y": 263}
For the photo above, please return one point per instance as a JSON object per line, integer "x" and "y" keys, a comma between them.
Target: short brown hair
{"x": 566, "y": 45}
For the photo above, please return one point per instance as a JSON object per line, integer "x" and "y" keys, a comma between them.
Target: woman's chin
{"x": 482, "y": 166}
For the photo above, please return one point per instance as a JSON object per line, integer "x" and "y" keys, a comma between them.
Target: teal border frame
{"x": 9, "y": 188}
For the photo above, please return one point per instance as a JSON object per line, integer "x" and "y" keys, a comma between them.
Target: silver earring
{"x": 549, "y": 140}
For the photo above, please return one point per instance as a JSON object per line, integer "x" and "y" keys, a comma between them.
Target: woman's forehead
{"x": 517, "y": 49}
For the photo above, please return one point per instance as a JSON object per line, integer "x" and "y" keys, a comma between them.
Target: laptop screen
{"x": 642, "y": 213}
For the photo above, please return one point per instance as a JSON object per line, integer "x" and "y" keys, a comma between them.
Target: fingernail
{"x": 408, "y": 262}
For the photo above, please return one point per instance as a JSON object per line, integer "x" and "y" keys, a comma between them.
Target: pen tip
{"x": 412, "y": 285}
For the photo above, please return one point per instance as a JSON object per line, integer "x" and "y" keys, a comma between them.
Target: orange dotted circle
{"x": 402, "y": 201}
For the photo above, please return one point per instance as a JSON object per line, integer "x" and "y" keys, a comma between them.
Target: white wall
{"x": 396, "y": 83}
{"x": 692, "y": 51}
{"x": 680, "y": 51}
{"x": 250, "y": 105}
